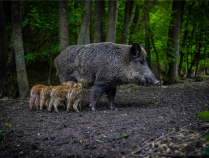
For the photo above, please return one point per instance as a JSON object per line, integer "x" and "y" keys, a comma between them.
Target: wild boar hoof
{"x": 56, "y": 110}
{"x": 93, "y": 109}
{"x": 113, "y": 107}
{"x": 49, "y": 110}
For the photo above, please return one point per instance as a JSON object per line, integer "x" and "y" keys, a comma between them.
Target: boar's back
{"x": 93, "y": 62}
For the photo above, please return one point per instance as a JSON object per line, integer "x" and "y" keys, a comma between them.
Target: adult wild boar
{"x": 104, "y": 65}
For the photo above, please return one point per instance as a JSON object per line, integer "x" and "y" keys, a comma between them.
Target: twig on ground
{"x": 147, "y": 141}
{"x": 133, "y": 153}
{"x": 199, "y": 137}
{"x": 172, "y": 155}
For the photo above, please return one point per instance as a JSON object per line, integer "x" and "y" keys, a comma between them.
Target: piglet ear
{"x": 135, "y": 51}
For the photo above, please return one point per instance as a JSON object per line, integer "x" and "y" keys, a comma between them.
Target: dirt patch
{"x": 145, "y": 115}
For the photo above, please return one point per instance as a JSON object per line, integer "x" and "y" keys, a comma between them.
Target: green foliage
{"x": 12, "y": 80}
{"x": 156, "y": 102}
{"x": 32, "y": 56}
{"x": 99, "y": 141}
{"x": 1, "y": 131}
{"x": 41, "y": 32}
{"x": 207, "y": 137}
{"x": 207, "y": 149}
{"x": 123, "y": 135}
{"x": 8, "y": 125}
{"x": 204, "y": 115}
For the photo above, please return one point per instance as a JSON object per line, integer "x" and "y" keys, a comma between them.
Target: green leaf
{"x": 155, "y": 102}
{"x": 207, "y": 151}
{"x": 206, "y": 104}
{"x": 123, "y": 135}
{"x": 106, "y": 112}
{"x": 14, "y": 129}
{"x": 21, "y": 152}
{"x": 207, "y": 137}
{"x": 204, "y": 115}
{"x": 8, "y": 125}
{"x": 104, "y": 136}
{"x": 1, "y": 131}
{"x": 99, "y": 141}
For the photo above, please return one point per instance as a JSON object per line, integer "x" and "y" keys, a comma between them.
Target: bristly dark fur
{"x": 101, "y": 62}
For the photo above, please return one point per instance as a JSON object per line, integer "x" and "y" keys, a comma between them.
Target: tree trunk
{"x": 127, "y": 19}
{"x": 97, "y": 22}
{"x": 63, "y": 25}
{"x": 84, "y": 30}
{"x": 147, "y": 35}
{"x": 76, "y": 23}
{"x": 91, "y": 29}
{"x": 103, "y": 34}
{"x": 135, "y": 23}
{"x": 157, "y": 56}
{"x": 205, "y": 68}
{"x": 187, "y": 62}
{"x": 3, "y": 51}
{"x": 50, "y": 69}
{"x": 148, "y": 10}
{"x": 192, "y": 64}
{"x": 19, "y": 52}
{"x": 198, "y": 54}
{"x": 111, "y": 23}
{"x": 22, "y": 11}
{"x": 173, "y": 41}
{"x": 185, "y": 34}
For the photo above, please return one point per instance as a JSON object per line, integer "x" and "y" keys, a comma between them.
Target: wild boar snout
{"x": 151, "y": 79}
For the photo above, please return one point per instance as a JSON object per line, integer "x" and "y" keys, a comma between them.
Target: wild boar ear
{"x": 135, "y": 51}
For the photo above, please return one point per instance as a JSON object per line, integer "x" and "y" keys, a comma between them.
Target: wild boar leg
{"x": 56, "y": 104}
{"x": 68, "y": 105}
{"x": 111, "y": 96}
{"x": 42, "y": 102}
{"x": 37, "y": 101}
{"x": 79, "y": 104}
{"x": 47, "y": 103}
{"x": 51, "y": 104}
{"x": 98, "y": 90}
{"x": 32, "y": 99}
{"x": 75, "y": 105}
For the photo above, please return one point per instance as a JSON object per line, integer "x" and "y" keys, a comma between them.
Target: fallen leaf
{"x": 8, "y": 125}
{"x": 123, "y": 135}
{"x": 204, "y": 115}
{"x": 99, "y": 141}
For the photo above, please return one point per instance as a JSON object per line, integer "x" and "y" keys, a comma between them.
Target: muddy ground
{"x": 151, "y": 121}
